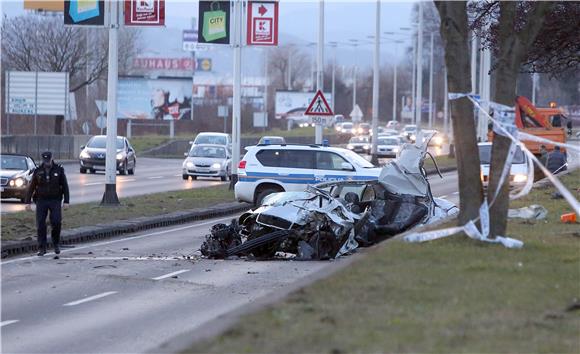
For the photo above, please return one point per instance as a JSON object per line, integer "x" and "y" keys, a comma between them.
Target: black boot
{"x": 41, "y": 251}
{"x": 56, "y": 248}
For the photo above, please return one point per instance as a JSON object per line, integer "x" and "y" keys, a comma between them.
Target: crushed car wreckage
{"x": 334, "y": 218}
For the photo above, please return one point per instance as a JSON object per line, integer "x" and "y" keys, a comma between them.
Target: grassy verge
{"x": 442, "y": 162}
{"x": 450, "y": 295}
{"x": 21, "y": 225}
{"x": 143, "y": 143}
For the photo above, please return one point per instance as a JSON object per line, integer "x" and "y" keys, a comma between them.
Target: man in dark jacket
{"x": 556, "y": 161}
{"x": 48, "y": 188}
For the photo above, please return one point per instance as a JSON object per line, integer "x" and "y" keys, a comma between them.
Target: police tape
{"x": 504, "y": 125}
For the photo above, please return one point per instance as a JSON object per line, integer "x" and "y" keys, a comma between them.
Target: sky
{"x": 344, "y": 21}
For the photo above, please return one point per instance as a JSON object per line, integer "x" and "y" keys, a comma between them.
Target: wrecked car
{"x": 331, "y": 219}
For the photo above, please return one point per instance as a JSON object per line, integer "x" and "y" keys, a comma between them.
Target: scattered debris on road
{"x": 334, "y": 218}
{"x": 532, "y": 212}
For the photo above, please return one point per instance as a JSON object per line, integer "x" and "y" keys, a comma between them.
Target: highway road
{"x": 151, "y": 176}
{"x": 133, "y": 294}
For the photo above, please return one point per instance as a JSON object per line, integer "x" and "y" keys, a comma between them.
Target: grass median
{"x": 450, "y": 295}
{"x": 21, "y": 225}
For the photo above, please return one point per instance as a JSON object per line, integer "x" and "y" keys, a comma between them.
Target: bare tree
{"x": 280, "y": 58}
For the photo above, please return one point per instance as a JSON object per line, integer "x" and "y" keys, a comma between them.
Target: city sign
{"x": 144, "y": 12}
{"x": 262, "y": 23}
{"x": 214, "y": 22}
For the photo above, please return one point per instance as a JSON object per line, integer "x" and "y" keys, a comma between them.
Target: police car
{"x": 267, "y": 169}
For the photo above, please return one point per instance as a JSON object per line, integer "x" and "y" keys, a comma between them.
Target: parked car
{"x": 207, "y": 160}
{"x": 363, "y": 129}
{"x": 267, "y": 169}
{"x": 388, "y": 146}
{"x": 214, "y": 139}
{"x": 360, "y": 144}
{"x": 272, "y": 140}
{"x": 15, "y": 175}
{"x": 393, "y": 124}
{"x": 518, "y": 171}
{"x": 93, "y": 155}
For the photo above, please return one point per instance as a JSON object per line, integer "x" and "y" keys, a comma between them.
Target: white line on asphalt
{"x": 455, "y": 193}
{"x": 122, "y": 239}
{"x": 170, "y": 274}
{"x": 176, "y": 175}
{"x": 93, "y": 184}
{"x": 6, "y": 323}
{"x": 90, "y": 298}
{"x": 444, "y": 196}
{"x": 127, "y": 180}
{"x": 155, "y": 177}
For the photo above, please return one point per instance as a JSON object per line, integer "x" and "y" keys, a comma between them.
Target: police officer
{"x": 48, "y": 187}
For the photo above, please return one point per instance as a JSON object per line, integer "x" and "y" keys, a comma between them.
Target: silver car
{"x": 207, "y": 160}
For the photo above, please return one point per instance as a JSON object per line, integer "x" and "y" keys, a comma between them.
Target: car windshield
{"x": 208, "y": 151}
{"x": 485, "y": 155}
{"x": 388, "y": 141}
{"x": 359, "y": 139}
{"x": 14, "y": 163}
{"x": 100, "y": 142}
{"x": 211, "y": 139}
{"x": 357, "y": 159}
{"x": 347, "y": 125}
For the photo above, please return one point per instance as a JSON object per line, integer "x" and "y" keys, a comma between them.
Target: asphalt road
{"x": 133, "y": 294}
{"x": 151, "y": 176}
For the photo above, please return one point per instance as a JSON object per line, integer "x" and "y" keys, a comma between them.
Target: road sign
{"x": 214, "y": 22}
{"x": 262, "y": 23}
{"x": 42, "y": 93}
{"x": 86, "y": 128}
{"x": 319, "y": 106}
{"x": 356, "y": 115}
{"x": 101, "y": 122}
{"x": 145, "y": 13}
{"x": 101, "y": 106}
{"x": 223, "y": 111}
{"x": 85, "y": 12}
{"x": 260, "y": 120}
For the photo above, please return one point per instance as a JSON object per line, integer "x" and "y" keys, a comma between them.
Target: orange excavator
{"x": 548, "y": 123}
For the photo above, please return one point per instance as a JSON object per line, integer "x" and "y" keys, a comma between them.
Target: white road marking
{"x": 6, "y": 323}
{"x": 177, "y": 175}
{"x": 90, "y": 298}
{"x": 126, "y": 180}
{"x": 170, "y": 274}
{"x": 213, "y": 221}
{"x": 94, "y": 183}
{"x": 123, "y": 259}
{"x": 155, "y": 177}
{"x": 455, "y": 193}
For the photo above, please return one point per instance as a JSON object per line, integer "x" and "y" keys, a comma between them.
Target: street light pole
{"x": 110, "y": 196}
{"x": 333, "y": 75}
{"x": 320, "y": 68}
{"x": 289, "y": 68}
{"x": 395, "y": 88}
{"x": 445, "y": 105}
{"x": 375, "y": 121}
{"x": 237, "y": 91}
{"x": 414, "y": 80}
{"x": 431, "y": 84}
{"x": 419, "y": 95}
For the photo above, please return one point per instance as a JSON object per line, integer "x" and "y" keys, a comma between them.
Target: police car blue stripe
{"x": 301, "y": 178}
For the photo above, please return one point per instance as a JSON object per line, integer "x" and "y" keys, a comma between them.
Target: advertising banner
{"x": 85, "y": 13}
{"x": 214, "y": 22}
{"x": 162, "y": 99}
{"x": 144, "y": 12}
{"x": 291, "y": 103}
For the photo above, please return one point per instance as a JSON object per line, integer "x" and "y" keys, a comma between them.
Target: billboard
{"x": 292, "y": 103}
{"x": 84, "y": 12}
{"x": 36, "y": 93}
{"x": 161, "y": 99}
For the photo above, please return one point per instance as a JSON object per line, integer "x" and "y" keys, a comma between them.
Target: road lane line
{"x": 90, "y": 298}
{"x": 170, "y": 274}
{"x": 6, "y": 323}
{"x": 444, "y": 196}
{"x": 177, "y": 175}
{"x": 455, "y": 193}
{"x": 123, "y": 239}
{"x": 93, "y": 184}
{"x": 127, "y": 180}
{"x": 155, "y": 177}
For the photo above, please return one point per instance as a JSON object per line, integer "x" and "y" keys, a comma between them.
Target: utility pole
{"x": 289, "y": 68}
{"x": 193, "y": 67}
{"x": 110, "y": 196}
{"x": 395, "y": 85}
{"x": 333, "y": 44}
{"x": 266, "y": 83}
{"x": 237, "y": 91}
{"x": 375, "y": 119}
{"x": 419, "y": 67}
{"x": 414, "y": 80}
{"x": 431, "y": 84}
{"x": 320, "y": 67}
{"x": 445, "y": 105}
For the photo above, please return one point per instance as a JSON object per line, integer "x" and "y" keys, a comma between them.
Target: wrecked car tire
{"x": 250, "y": 246}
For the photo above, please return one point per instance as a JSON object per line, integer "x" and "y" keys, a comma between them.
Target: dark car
{"x": 15, "y": 175}
{"x": 93, "y": 155}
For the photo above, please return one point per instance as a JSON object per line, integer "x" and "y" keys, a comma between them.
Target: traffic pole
{"x": 319, "y": 68}
{"x": 395, "y": 86}
{"x": 375, "y": 122}
{"x": 419, "y": 86}
{"x": 431, "y": 84}
{"x": 110, "y": 197}
{"x": 237, "y": 91}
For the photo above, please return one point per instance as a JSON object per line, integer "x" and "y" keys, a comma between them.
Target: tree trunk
{"x": 455, "y": 34}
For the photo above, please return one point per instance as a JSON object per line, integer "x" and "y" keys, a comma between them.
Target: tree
{"x": 455, "y": 33}
{"x": 280, "y": 58}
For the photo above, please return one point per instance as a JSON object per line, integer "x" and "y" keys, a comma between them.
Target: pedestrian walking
{"x": 556, "y": 161}
{"x": 48, "y": 189}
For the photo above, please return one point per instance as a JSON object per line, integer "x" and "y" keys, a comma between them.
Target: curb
{"x": 118, "y": 228}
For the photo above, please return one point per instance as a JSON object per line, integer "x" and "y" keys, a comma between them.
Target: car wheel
{"x": 185, "y": 177}
{"x": 263, "y": 194}
{"x": 193, "y": 178}
{"x": 83, "y": 170}
{"x": 224, "y": 178}
{"x": 92, "y": 170}
{"x": 132, "y": 170}
{"x": 123, "y": 170}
